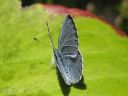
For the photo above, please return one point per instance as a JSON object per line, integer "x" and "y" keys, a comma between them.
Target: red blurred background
{"x": 113, "y": 11}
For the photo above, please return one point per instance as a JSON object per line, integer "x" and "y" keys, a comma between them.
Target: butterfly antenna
{"x": 37, "y": 40}
{"x": 50, "y": 37}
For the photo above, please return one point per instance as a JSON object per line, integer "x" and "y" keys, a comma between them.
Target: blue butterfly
{"x": 67, "y": 56}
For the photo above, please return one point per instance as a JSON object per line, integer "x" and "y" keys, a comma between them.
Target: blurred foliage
{"x": 68, "y": 3}
{"x": 124, "y": 8}
{"x": 124, "y": 26}
{"x": 109, "y": 9}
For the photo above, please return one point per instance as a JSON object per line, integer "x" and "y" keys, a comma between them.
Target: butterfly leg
{"x": 52, "y": 63}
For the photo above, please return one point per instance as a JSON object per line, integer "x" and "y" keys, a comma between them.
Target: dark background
{"x": 110, "y": 10}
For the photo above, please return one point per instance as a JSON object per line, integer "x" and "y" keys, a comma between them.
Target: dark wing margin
{"x": 68, "y": 40}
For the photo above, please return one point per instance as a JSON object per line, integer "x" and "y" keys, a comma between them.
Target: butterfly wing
{"x": 70, "y": 64}
{"x": 60, "y": 65}
{"x": 68, "y": 40}
{"x": 70, "y": 68}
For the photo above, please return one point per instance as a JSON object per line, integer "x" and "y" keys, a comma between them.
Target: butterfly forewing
{"x": 68, "y": 40}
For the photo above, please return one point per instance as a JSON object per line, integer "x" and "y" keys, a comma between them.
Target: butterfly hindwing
{"x": 70, "y": 68}
{"x": 74, "y": 68}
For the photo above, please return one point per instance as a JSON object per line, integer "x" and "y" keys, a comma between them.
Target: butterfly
{"x": 67, "y": 56}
